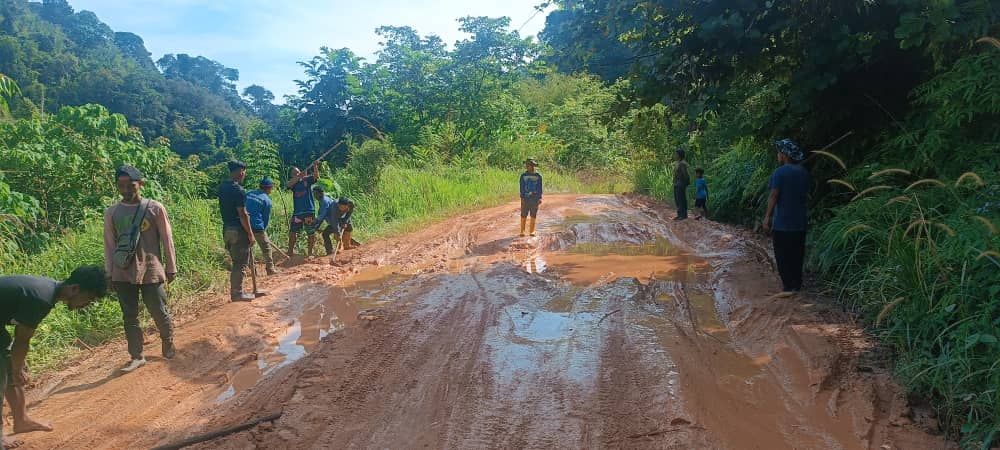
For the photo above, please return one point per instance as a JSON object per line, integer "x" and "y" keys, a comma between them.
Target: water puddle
{"x": 315, "y": 319}
{"x": 585, "y": 264}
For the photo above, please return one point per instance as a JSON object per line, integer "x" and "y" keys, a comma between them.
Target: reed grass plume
{"x": 865, "y": 192}
{"x": 914, "y": 224}
{"x": 857, "y": 227}
{"x": 988, "y": 253}
{"x": 835, "y": 158}
{"x": 989, "y": 40}
{"x": 923, "y": 182}
{"x": 844, "y": 183}
{"x": 989, "y": 225}
{"x": 885, "y": 172}
{"x": 972, "y": 176}
{"x": 900, "y": 199}
{"x": 946, "y": 229}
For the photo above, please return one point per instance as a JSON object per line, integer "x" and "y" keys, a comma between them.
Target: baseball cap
{"x": 266, "y": 182}
{"x": 531, "y": 161}
{"x": 131, "y": 172}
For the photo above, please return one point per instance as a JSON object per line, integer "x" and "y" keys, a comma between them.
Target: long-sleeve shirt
{"x": 154, "y": 256}
{"x": 531, "y": 186}
{"x": 259, "y": 209}
{"x": 326, "y": 208}
{"x": 681, "y": 176}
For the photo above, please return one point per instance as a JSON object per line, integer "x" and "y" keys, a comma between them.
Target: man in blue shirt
{"x": 259, "y": 209}
{"x": 304, "y": 209}
{"x": 789, "y": 187}
{"x": 531, "y": 194}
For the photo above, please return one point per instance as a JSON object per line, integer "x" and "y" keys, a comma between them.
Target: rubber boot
{"x": 346, "y": 240}
{"x": 523, "y": 221}
{"x": 532, "y": 226}
{"x": 310, "y": 244}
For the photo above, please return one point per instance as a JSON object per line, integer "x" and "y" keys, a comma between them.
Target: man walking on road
{"x": 24, "y": 301}
{"x": 259, "y": 209}
{"x": 789, "y": 186}
{"x": 681, "y": 181}
{"x": 139, "y": 257}
{"x": 531, "y": 194}
{"x": 303, "y": 207}
{"x": 236, "y": 230}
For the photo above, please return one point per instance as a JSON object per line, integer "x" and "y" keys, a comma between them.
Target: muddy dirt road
{"x": 614, "y": 328}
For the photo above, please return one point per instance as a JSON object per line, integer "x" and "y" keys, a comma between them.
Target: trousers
{"x": 155, "y": 298}
{"x": 789, "y": 254}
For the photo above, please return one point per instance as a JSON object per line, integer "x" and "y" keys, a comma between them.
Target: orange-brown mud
{"x": 614, "y": 328}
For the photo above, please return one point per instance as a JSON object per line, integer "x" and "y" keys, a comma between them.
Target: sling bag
{"x": 129, "y": 240}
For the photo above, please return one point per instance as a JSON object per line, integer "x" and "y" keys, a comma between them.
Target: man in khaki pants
{"x": 236, "y": 230}
{"x": 259, "y": 209}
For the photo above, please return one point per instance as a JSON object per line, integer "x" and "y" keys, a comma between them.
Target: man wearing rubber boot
{"x": 338, "y": 219}
{"x": 531, "y": 194}
{"x": 140, "y": 259}
{"x": 325, "y": 209}
{"x": 236, "y": 230}
{"x": 303, "y": 207}
{"x": 259, "y": 209}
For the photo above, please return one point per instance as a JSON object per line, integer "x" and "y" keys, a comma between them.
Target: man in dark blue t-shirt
{"x": 304, "y": 208}
{"x": 789, "y": 187}
{"x": 24, "y": 301}
{"x": 236, "y": 231}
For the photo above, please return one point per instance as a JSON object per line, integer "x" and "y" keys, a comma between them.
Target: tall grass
{"x": 402, "y": 199}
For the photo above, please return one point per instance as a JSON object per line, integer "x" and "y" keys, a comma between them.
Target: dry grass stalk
{"x": 946, "y": 229}
{"x": 989, "y": 225}
{"x": 972, "y": 175}
{"x": 992, "y": 253}
{"x": 880, "y": 187}
{"x": 839, "y": 161}
{"x": 914, "y": 224}
{"x": 844, "y": 183}
{"x": 886, "y": 310}
{"x": 989, "y": 40}
{"x": 900, "y": 199}
{"x": 888, "y": 172}
{"x": 925, "y": 181}
{"x": 857, "y": 227}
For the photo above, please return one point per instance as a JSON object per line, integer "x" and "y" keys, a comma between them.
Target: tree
{"x": 8, "y": 89}
{"x": 201, "y": 71}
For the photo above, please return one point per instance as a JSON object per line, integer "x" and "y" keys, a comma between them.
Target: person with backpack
{"x": 139, "y": 258}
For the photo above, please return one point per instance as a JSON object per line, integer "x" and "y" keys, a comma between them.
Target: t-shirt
{"x": 681, "y": 176}
{"x": 259, "y": 209}
{"x": 531, "y": 185}
{"x": 231, "y": 196}
{"x": 302, "y": 200}
{"x": 154, "y": 256}
{"x": 701, "y": 188}
{"x": 792, "y": 182}
{"x": 26, "y": 300}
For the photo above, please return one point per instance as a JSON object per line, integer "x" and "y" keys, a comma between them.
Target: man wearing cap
{"x": 303, "y": 207}
{"x": 236, "y": 230}
{"x": 259, "y": 210}
{"x": 139, "y": 258}
{"x": 789, "y": 187}
{"x": 531, "y": 194}
{"x": 682, "y": 179}
{"x": 338, "y": 218}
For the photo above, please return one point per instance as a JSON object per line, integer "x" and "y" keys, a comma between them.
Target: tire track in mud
{"x": 614, "y": 329}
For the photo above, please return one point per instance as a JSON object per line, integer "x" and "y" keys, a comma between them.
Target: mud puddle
{"x": 356, "y": 298}
{"x": 587, "y": 263}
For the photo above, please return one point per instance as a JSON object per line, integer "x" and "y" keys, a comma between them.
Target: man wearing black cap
{"x": 236, "y": 230}
{"x": 531, "y": 194}
{"x": 24, "y": 301}
{"x": 139, "y": 257}
{"x": 259, "y": 209}
{"x": 789, "y": 187}
{"x": 337, "y": 215}
{"x": 681, "y": 181}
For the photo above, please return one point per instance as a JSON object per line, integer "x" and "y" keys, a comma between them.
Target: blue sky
{"x": 264, "y": 39}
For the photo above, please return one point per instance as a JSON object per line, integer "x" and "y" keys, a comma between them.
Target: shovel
{"x": 253, "y": 276}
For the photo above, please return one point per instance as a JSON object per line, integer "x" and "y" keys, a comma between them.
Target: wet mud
{"x": 615, "y": 328}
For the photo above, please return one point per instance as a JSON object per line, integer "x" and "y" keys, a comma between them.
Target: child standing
{"x": 531, "y": 194}
{"x": 701, "y": 192}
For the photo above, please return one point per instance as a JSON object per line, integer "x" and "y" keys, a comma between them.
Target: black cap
{"x": 318, "y": 187}
{"x": 131, "y": 172}
{"x": 344, "y": 201}
{"x": 235, "y": 165}
{"x": 680, "y": 151}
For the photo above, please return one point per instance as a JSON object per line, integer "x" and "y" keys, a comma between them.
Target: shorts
{"x": 700, "y": 202}
{"x": 302, "y": 222}
{"x": 529, "y": 207}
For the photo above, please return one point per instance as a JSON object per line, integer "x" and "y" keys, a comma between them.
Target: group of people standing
{"x": 786, "y": 217}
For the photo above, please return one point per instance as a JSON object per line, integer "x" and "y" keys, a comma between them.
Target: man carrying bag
{"x": 139, "y": 257}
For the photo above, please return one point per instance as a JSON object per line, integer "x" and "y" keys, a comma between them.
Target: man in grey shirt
{"x": 153, "y": 265}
